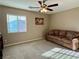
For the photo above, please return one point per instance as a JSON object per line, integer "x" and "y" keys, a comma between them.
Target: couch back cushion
{"x": 70, "y": 35}
{"x": 51, "y": 32}
{"x": 64, "y": 33}
{"x": 56, "y": 32}
{"x": 76, "y": 34}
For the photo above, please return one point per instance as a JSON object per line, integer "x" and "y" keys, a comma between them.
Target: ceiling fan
{"x": 43, "y": 7}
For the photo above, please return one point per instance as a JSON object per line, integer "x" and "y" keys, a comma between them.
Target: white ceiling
{"x": 24, "y": 4}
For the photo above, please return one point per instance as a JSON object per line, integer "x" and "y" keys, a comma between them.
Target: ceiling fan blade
{"x": 40, "y": 2}
{"x": 52, "y": 5}
{"x": 33, "y": 7}
{"x": 44, "y": 1}
{"x": 49, "y": 9}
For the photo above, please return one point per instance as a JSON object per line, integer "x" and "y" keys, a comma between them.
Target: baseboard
{"x": 8, "y": 45}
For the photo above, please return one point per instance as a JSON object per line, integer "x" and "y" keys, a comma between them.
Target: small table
{"x": 59, "y": 53}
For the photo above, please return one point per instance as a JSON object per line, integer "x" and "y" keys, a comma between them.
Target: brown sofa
{"x": 62, "y": 37}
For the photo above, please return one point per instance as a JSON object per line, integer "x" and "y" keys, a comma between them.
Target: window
{"x": 16, "y": 23}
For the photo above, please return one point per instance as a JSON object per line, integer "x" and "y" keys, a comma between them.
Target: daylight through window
{"x": 16, "y": 23}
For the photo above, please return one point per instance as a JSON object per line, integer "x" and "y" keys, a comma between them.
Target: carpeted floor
{"x": 32, "y": 50}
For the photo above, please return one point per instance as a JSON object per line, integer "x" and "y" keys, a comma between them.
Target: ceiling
{"x": 24, "y": 4}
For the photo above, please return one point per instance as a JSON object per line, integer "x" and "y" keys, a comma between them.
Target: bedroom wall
{"x": 68, "y": 20}
{"x": 0, "y": 18}
{"x": 33, "y": 31}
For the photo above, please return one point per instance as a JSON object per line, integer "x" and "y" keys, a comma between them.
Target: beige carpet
{"x": 60, "y": 53}
{"x": 32, "y": 50}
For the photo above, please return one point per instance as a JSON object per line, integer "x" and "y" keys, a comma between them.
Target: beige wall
{"x": 0, "y": 18}
{"x": 65, "y": 20}
{"x": 33, "y": 31}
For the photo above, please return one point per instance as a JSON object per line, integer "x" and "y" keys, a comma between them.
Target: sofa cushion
{"x": 56, "y": 32}
{"x": 62, "y": 34}
{"x": 70, "y": 35}
{"x": 65, "y": 40}
{"x": 55, "y": 37}
{"x": 76, "y": 35}
{"x": 51, "y": 33}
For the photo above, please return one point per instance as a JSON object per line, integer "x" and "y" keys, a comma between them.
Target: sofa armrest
{"x": 76, "y": 37}
{"x": 75, "y": 45}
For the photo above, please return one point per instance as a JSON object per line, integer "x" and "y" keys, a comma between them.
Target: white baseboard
{"x": 8, "y": 45}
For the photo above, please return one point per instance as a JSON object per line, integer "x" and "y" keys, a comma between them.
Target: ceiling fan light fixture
{"x": 43, "y": 10}
{"x": 44, "y": 7}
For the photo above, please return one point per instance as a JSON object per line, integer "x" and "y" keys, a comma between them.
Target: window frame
{"x": 7, "y": 15}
